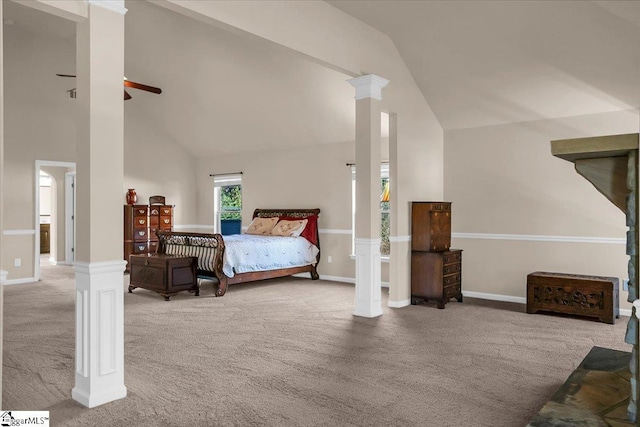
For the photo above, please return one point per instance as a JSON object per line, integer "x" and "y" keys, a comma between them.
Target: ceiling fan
{"x": 127, "y": 83}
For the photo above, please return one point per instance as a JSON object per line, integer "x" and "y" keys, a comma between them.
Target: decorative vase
{"x": 132, "y": 197}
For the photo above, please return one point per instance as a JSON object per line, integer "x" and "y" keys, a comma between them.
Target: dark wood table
{"x": 164, "y": 274}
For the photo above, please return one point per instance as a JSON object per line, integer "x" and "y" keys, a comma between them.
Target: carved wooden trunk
{"x": 165, "y": 274}
{"x": 591, "y": 296}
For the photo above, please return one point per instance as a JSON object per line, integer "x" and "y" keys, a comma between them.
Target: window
{"x": 385, "y": 225}
{"x": 227, "y": 204}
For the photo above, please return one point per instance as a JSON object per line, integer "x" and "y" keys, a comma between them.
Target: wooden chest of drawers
{"x": 436, "y": 276}
{"x": 164, "y": 274}
{"x": 430, "y": 226}
{"x": 140, "y": 225}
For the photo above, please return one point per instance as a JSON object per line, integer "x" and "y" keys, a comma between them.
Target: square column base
{"x": 368, "y": 298}
{"x": 99, "y": 333}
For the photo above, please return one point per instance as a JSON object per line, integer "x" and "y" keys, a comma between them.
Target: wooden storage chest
{"x": 591, "y": 296}
{"x": 164, "y": 274}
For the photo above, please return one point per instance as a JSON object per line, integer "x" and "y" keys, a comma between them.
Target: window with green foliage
{"x": 385, "y": 225}
{"x": 231, "y": 202}
{"x": 227, "y": 206}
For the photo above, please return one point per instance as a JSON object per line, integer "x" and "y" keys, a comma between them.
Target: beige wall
{"x": 503, "y": 180}
{"x": 40, "y": 125}
{"x": 156, "y": 164}
{"x": 313, "y": 177}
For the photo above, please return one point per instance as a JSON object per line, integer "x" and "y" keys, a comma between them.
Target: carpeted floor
{"x": 288, "y": 352}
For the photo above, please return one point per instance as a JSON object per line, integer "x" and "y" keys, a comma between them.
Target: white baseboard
{"x": 20, "y": 281}
{"x": 518, "y": 300}
{"x": 330, "y": 278}
{"x": 399, "y": 304}
{"x": 338, "y": 279}
{"x": 494, "y": 297}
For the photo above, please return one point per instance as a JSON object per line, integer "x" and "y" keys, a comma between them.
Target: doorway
{"x": 54, "y": 214}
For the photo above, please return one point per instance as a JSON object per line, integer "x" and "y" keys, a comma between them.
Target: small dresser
{"x": 436, "y": 276}
{"x": 436, "y": 269}
{"x": 140, "y": 225}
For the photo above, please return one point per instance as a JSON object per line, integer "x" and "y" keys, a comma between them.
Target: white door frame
{"x": 36, "y": 216}
{"x": 69, "y": 217}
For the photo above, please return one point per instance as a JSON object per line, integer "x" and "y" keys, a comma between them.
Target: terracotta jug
{"x": 132, "y": 197}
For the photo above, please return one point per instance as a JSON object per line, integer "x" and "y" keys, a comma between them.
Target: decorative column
{"x": 400, "y": 257}
{"x": 100, "y": 169}
{"x": 368, "y": 297}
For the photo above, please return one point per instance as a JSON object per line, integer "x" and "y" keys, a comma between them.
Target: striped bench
{"x": 208, "y": 248}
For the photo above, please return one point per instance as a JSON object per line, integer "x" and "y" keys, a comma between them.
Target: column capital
{"x": 369, "y": 86}
{"x": 113, "y": 5}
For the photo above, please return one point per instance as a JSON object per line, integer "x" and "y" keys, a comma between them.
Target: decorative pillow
{"x": 262, "y": 226}
{"x": 289, "y": 228}
{"x": 310, "y": 231}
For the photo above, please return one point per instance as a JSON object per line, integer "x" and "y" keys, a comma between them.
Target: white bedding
{"x": 248, "y": 252}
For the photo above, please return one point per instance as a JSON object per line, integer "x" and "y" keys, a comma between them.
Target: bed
{"x": 247, "y": 258}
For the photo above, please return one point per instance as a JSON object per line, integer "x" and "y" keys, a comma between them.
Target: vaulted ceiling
{"x": 477, "y": 63}
{"x": 482, "y": 63}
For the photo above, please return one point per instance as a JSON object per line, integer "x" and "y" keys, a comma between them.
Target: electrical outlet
{"x": 17, "y": 262}
{"x": 329, "y": 259}
{"x": 625, "y": 285}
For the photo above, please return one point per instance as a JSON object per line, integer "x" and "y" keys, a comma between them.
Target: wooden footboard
{"x": 209, "y": 248}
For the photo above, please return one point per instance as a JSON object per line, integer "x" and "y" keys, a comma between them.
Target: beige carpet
{"x": 289, "y": 353}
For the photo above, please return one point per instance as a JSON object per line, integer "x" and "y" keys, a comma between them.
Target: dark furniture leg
{"x": 222, "y": 286}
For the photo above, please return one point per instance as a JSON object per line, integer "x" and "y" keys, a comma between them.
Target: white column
{"x": 100, "y": 169}
{"x": 399, "y": 260}
{"x": 368, "y": 296}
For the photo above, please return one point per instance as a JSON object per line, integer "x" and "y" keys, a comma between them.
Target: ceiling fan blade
{"x": 65, "y": 75}
{"x": 126, "y": 95}
{"x": 135, "y": 85}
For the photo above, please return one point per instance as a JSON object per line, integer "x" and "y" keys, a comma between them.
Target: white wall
{"x": 503, "y": 180}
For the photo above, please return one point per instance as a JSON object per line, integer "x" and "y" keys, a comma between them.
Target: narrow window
{"x": 385, "y": 247}
{"x": 227, "y": 207}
